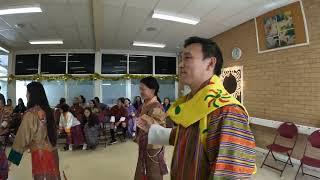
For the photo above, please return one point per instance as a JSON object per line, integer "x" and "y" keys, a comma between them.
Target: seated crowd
{"x": 81, "y": 123}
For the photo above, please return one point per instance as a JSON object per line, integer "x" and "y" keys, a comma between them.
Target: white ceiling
{"x": 115, "y": 24}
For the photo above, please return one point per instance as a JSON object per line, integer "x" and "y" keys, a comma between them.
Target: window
{"x": 54, "y": 91}
{"x": 3, "y": 65}
{"x": 4, "y": 87}
{"x": 112, "y": 90}
{"x": 135, "y": 91}
{"x": 167, "y": 89}
{"x": 21, "y": 91}
{"x": 27, "y": 64}
{"x": 77, "y": 88}
{"x": 114, "y": 64}
{"x": 165, "y": 65}
{"x": 53, "y": 63}
{"x": 140, "y": 64}
{"x": 81, "y": 63}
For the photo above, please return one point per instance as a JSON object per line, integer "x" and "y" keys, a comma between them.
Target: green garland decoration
{"x": 95, "y": 76}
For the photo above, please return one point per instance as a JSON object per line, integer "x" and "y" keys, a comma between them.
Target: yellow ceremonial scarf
{"x": 213, "y": 96}
{"x": 186, "y": 112}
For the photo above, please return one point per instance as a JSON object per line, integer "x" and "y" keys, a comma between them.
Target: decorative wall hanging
{"x": 282, "y": 28}
{"x": 232, "y": 79}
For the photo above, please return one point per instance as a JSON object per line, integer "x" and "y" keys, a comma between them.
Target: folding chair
{"x": 313, "y": 141}
{"x": 103, "y": 135}
{"x": 289, "y": 131}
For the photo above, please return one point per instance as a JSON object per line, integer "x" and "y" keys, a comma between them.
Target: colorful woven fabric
{"x": 213, "y": 139}
{"x": 45, "y": 162}
{"x": 229, "y": 153}
{"x": 4, "y": 168}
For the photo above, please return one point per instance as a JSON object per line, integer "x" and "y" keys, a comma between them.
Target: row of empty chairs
{"x": 289, "y": 132}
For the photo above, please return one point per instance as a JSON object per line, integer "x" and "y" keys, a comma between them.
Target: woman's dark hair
{"x": 128, "y": 100}
{"x": 92, "y": 119}
{"x": 137, "y": 103}
{"x": 152, "y": 83}
{"x": 167, "y": 99}
{"x": 38, "y": 97}
{"x": 94, "y": 103}
{"x": 20, "y": 100}
{"x": 62, "y": 101}
{"x": 65, "y": 108}
{"x": 209, "y": 49}
{"x": 83, "y": 99}
{"x": 2, "y": 102}
{"x": 22, "y": 103}
{"x": 97, "y": 99}
{"x": 122, "y": 99}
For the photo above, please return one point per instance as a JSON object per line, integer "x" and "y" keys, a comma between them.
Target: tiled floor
{"x": 117, "y": 162}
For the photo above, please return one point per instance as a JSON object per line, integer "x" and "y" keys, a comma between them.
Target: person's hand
{"x": 145, "y": 122}
{"x": 142, "y": 124}
{"x": 133, "y": 114}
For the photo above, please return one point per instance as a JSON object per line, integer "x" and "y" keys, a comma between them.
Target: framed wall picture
{"x": 232, "y": 79}
{"x": 282, "y": 28}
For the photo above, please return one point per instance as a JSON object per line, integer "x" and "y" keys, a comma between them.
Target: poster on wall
{"x": 232, "y": 79}
{"x": 282, "y": 28}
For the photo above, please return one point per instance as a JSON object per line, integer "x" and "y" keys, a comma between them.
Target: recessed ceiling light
{"x": 148, "y": 44}
{"x": 4, "y": 50}
{"x": 47, "y": 42}
{"x": 20, "y": 10}
{"x": 175, "y": 17}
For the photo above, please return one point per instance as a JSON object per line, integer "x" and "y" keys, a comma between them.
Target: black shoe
{"x": 113, "y": 142}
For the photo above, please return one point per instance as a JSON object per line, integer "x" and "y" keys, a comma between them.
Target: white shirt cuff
{"x": 159, "y": 135}
{"x": 122, "y": 119}
{"x": 4, "y": 124}
{"x": 112, "y": 119}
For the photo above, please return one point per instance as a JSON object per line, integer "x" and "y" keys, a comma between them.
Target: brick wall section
{"x": 282, "y": 85}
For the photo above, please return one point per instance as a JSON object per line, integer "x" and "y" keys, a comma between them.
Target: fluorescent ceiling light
{"x": 148, "y": 44}
{"x": 20, "y": 10}
{"x": 4, "y": 50}
{"x": 107, "y": 84}
{"x": 47, "y": 42}
{"x": 175, "y": 17}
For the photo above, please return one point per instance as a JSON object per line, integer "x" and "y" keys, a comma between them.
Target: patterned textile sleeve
{"x": 173, "y": 135}
{"x": 158, "y": 115}
{"x": 5, "y": 116}
{"x": 27, "y": 129}
{"x": 230, "y": 144}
